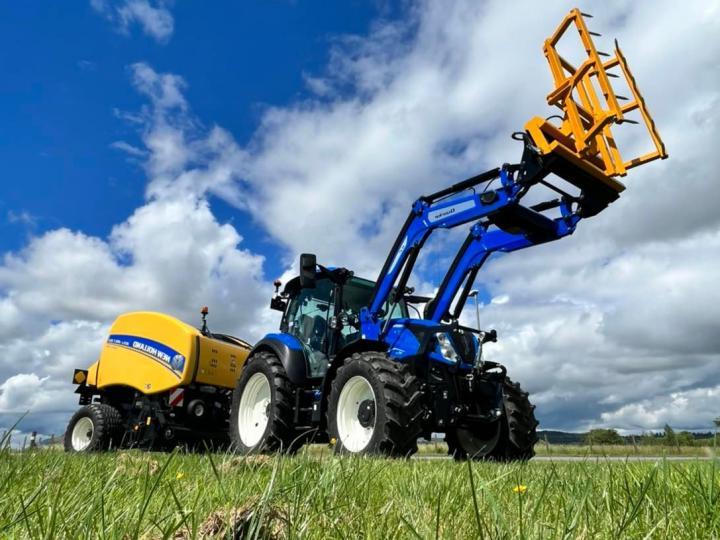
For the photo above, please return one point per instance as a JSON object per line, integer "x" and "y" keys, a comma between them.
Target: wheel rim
{"x": 356, "y": 414}
{"x": 82, "y": 434}
{"x": 253, "y": 411}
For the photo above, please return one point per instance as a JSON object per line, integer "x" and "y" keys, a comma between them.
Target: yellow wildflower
{"x": 179, "y": 476}
{"x": 333, "y": 441}
{"x": 519, "y": 489}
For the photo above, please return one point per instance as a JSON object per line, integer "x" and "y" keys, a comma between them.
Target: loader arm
{"x": 463, "y": 203}
{"x": 445, "y": 209}
{"x": 581, "y": 151}
{"x": 481, "y": 243}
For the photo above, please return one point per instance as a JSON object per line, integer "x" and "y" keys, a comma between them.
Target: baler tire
{"x": 279, "y": 435}
{"x": 398, "y": 404}
{"x": 105, "y": 422}
{"x": 518, "y": 429}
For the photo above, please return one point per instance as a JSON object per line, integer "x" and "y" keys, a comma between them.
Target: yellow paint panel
{"x": 589, "y": 115}
{"x": 92, "y": 375}
{"x": 220, "y": 362}
{"x": 153, "y": 352}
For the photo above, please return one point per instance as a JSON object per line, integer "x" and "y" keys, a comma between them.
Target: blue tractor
{"x": 351, "y": 365}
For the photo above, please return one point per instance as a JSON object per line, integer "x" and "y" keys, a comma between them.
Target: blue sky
{"x": 66, "y": 73}
{"x": 168, "y": 155}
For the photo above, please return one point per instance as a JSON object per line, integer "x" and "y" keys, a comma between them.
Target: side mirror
{"x": 490, "y": 336}
{"x": 278, "y": 304}
{"x": 308, "y": 263}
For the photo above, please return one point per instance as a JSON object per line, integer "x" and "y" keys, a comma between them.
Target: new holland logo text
{"x": 152, "y": 351}
{"x": 437, "y": 215}
{"x": 148, "y": 347}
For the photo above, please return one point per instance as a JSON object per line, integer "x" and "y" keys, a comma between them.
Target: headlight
{"x": 446, "y": 347}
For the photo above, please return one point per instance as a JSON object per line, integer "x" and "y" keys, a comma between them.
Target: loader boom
{"x": 581, "y": 150}
{"x": 530, "y": 228}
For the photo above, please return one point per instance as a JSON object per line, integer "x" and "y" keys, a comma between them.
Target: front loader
{"x": 351, "y": 366}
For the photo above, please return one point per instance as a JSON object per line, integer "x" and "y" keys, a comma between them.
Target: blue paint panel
{"x": 286, "y": 339}
{"x": 401, "y": 340}
{"x": 414, "y": 322}
{"x": 152, "y": 348}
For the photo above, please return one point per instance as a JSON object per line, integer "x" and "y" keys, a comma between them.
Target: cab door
{"x": 308, "y": 318}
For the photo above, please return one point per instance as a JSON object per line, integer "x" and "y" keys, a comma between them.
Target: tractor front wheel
{"x": 511, "y": 438}
{"x": 375, "y": 407}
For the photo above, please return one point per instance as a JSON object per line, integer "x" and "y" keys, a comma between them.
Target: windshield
{"x": 357, "y": 293}
{"x": 309, "y": 315}
{"x": 355, "y": 296}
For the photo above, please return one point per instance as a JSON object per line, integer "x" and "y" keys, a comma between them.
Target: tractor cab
{"x": 321, "y": 311}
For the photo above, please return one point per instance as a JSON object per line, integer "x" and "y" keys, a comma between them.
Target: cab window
{"x": 356, "y": 295}
{"x": 307, "y": 319}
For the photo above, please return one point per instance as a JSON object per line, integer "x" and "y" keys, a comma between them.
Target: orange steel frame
{"x": 585, "y": 136}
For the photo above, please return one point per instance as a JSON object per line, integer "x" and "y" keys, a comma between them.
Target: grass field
{"x": 48, "y": 494}
{"x": 614, "y": 450}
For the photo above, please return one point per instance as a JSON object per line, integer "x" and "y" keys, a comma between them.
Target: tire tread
{"x": 282, "y": 436}
{"x": 401, "y": 398}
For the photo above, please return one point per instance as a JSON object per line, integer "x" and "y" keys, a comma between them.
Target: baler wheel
{"x": 261, "y": 415}
{"x": 93, "y": 428}
{"x": 375, "y": 407}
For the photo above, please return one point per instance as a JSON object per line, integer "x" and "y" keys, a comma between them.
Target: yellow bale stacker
{"x": 157, "y": 383}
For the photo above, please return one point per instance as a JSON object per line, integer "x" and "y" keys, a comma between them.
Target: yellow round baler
{"x": 158, "y": 382}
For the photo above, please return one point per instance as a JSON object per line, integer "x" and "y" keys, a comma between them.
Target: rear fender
{"x": 291, "y": 354}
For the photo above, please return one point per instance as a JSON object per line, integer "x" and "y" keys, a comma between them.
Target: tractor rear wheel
{"x": 261, "y": 414}
{"x": 93, "y": 428}
{"x": 511, "y": 438}
{"x": 375, "y": 407}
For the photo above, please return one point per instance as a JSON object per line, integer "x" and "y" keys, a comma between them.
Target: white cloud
{"x": 61, "y": 291}
{"x": 154, "y": 18}
{"x": 606, "y": 326}
{"x": 692, "y": 409}
{"x": 23, "y": 218}
{"x": 21, "y": 391}
{"x": 129, "y": 149}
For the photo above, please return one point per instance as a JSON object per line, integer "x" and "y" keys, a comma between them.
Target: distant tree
{"x": 685, "y": 438}
{"x": 603, "y": 436}
{"x": 649, "y": 438}
{"x": 670, "y": 438}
